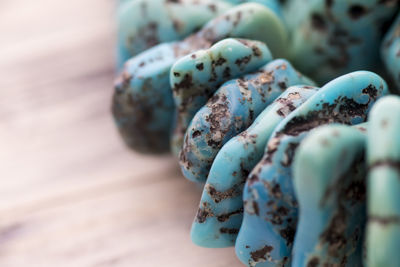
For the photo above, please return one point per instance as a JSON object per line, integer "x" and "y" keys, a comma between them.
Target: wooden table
{"x": 70, "y": 193}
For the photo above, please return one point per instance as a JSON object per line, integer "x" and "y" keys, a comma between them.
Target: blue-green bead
{"x": 329, "y": 174}
{"x": 383, "y": 157}
{"x": 269, "y": 188}
{"x": 331, "y": 38}
{"x": 195, "y": 77}
{"x": 145, "y": 23}
{"x": 222, "y": 194}
{"x": 230, "y": 111}
{"x": 143, "y": 106}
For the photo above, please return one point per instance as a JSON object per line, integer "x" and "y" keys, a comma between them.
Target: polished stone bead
{"x": 143, "y": 24}
{"x": 143, "y": 106}
{"x": 230, "y": 111}
{"x": 222, "y": 193}
{"x": 329, "y": 176}
{"x": 383, "y": 157}
{"x": 331, "y": 38}
{"x": 195, "y": 77}
{"x": 267, "y": 233}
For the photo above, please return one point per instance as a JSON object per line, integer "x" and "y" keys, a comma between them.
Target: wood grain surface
{"x": 70, "y": 193}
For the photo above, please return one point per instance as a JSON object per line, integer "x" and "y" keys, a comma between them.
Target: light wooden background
{"x": 70, "y": 193}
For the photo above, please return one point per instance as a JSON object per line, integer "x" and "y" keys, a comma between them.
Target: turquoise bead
{"x": 331, "y": 38}
{"x": 329, "y": 176}
{"x": 195, "y": 77}
{"x": 383, "y": 158}
{"x": 270, "y": 226}
{"x": 143, "y": 106}
{"x": 222, "y": 193}
{"x": 390, "y": 51}
{"x": 230, "y": 111}
{"x": 143, "y": 24}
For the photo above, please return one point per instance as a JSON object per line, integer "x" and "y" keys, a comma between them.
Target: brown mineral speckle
{"x": 356, "y": 11}
{"x": 256, "y": 208}
{"x": 390, "y": 163}
{"x": 261, "y": 254}
{"x": 387, "y": 220}
{"x": 282, "y": 85}
{"x": 254, "y": 178}
{"x": 204, "y": 212}
{"x": 242, "y": 83}
{"x": 177, "y": 25}
{"x": 256, "y": 51}
{"x": 230, "y": 231}
{"x": 355, "y": 192}
{"x": 244, "y": 171}
{"x": 313, "y": 262}
{"x": 288, "y": 234}
{"x": 185, "y": 83}
{"x": 200, "y": 66}
{"x": 336, "y": 133}
{"x": 219, "y": 112}
{"x": 318, "y": 22}
{"x": 227, "y": 216}
{"x": 218, "y": 196}
{"x": 196, "y": 134}
{"x": 227, "y": 72}
{"x": 212, "y": 7}
{"x": 329, "y": 3}
{"x": 384, "y": 124}
{"x": 289, "y": 154}
{"x": 220, "y": 61}
{"x": 334, "y": 234}
{"x": 244, "y": 60}
{"x": 274, "y": 189}
{"x": 287, "y": 107}
{"x": 371, "y": 91}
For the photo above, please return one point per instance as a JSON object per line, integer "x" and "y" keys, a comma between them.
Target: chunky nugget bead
{"x": 329, "y": 176}
{"x": 383, "y": 157}
{"x": 143, "y": 24}
{"x": 230, "y": 111}
{"x": 269, "y": 222}
{"x": 143, "y": 106}
{"x": 222, "y": 193}
{"x": 331, "y": 38}
{"x": 195, "y": 77}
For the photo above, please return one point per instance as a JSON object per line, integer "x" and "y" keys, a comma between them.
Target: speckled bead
{"x": 145, "y": 23}
{"x": 390, "y": 52}
{"x": 383, "y": 157}
{"x": 230, "y": 111}
{"x": 143, "y": 106}
{"x": 334, "y": 37}
{"x": 329, "y": 176}
{"x": 195, "y": 77}
{"x": 270, "y": 216}
{"x": 221, "y": 207}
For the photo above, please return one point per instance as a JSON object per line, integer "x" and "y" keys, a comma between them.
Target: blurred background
{"x": 71, "y": 194}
